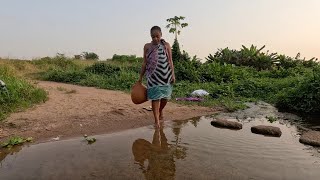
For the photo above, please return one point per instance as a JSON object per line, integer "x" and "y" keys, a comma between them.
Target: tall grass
{"x": 20, "y": 95}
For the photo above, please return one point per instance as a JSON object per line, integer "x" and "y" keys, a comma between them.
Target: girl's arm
{"x": 171, "y": 62}
{"x": 144, "y": 64}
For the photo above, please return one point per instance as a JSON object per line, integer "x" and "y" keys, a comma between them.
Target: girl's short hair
{"x": 155, "y": 28}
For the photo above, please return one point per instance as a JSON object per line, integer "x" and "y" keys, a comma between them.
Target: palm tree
{"x": 175, "y": 25}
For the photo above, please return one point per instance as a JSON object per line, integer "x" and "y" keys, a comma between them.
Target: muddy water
{"x": 190, "y": 149}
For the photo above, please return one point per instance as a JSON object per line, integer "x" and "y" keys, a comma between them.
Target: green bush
{"x": 126, "y": 58}
{"x": 187, "y": 71}
{"x": 254, "y": 57}
{"x": 223, "y": 73}
{"x": 262, "y": 88}
{"x": 67, "y": 76}
{"x": 304, "y": 97}
{"x": 21, "y": 94}
{"x": 90, "y": 56}
{"x": 56, "y": 62}
{"x": 103, "y": 68}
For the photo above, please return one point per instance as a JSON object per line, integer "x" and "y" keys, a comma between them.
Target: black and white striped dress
{"x": 162, "y": 74}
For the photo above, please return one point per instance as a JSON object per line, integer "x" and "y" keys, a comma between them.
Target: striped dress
{"x": 159, "y": 74}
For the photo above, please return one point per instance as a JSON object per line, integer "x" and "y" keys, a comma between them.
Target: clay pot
{"x": 139, "y": 93}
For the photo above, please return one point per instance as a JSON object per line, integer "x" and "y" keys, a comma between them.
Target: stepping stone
{"x": 223, "y": 123}
{"x": 311, "y": 138}
{"x": 266, "y": 130}
{"x": 301, "y": 128}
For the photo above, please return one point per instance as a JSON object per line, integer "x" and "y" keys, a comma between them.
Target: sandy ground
{"x": 75, "y": 110}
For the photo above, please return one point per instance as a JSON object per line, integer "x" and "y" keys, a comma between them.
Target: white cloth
{"x": 199, "y": 92}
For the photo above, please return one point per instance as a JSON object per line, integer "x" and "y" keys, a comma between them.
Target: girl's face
{"x": 156, "y": 37}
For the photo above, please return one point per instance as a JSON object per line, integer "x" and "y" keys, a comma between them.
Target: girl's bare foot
{"x": 157, "y": 125}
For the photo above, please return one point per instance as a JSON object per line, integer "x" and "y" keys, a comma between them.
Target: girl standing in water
{"x": 159, "y": 70}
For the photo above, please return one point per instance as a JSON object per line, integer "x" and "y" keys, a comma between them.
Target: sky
{"x": 38, "y": 28}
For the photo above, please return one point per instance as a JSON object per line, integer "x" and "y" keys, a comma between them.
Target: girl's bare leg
{"x": 163, "y": 104}
{"x": 156, "y": 113}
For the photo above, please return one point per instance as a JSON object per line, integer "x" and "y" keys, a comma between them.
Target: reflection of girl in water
{"x": 159, "y": 154}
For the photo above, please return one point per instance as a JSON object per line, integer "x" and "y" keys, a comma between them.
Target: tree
{"x": 90, "y": 55}
{"x": 176, "y": 53}
{"x": 175, "y": 25}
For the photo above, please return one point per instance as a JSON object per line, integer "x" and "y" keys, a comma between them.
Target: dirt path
{"x": 75, "y": 110}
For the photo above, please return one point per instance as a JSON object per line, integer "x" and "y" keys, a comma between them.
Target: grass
{"x": 21, "y": 93}
{"x": 14, "y": 141}
{"x": 272, "y": 119}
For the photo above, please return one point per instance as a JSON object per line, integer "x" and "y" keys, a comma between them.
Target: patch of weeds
{"x": 271, "y": 119}
{"x": 89, "y": 139}
{"x": 231, "y": 105}
{"x": 16, "y": 140}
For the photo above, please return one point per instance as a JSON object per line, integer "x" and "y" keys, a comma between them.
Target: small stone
{"x": 311, "y": 138}
{"x": 56, "y": 139}
{"x": 266, "y": 130}
{"x": 223, "y": 123}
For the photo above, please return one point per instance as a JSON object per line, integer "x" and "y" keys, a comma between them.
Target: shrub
{"x": 20, "y": 93}
{"x": 304, "y": 97}
{"x": 103, "y": 68}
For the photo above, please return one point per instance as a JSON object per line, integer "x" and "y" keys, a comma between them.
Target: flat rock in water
{"x": 301, "y": 128}
{"x": 311, "y": 138}
{"x": 266, "y": 130}
{"x": 223, "y": 123}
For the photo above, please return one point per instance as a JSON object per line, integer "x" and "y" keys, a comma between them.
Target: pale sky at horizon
{"x": 38, "y": 28}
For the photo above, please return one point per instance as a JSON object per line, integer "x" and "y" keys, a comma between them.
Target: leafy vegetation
{"x": 175, "y": 25}
{"x": 256, "y": 58}
{"x": 89, "y": 140}
{"x": 176, "y": 52}
{"x": 304, "y": 96}
{"x": 232, "y": 77}
{"x": 90, "y": 56}
{"x": 16, "y": 140}
{"x": 272, "y": 119}
{"x": 19, "y": 93}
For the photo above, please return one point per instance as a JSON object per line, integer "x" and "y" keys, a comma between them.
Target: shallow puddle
{"x": 190, "y": 149}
